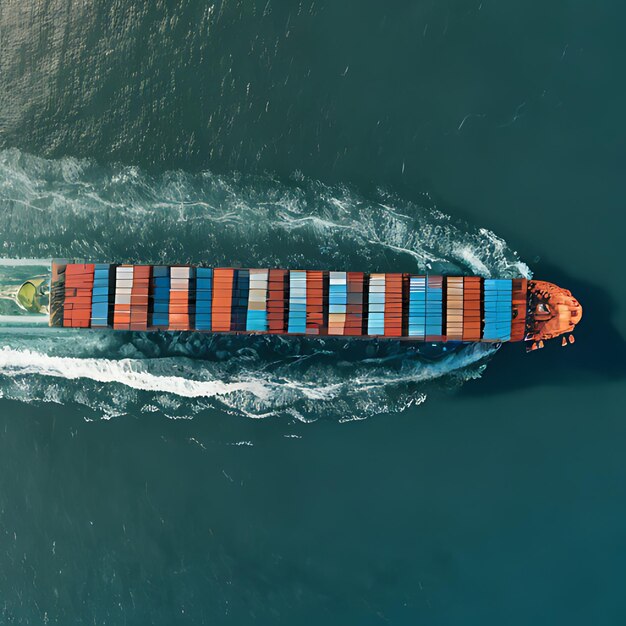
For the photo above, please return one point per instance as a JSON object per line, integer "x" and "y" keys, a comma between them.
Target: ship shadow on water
{"x": 598, "y": 354}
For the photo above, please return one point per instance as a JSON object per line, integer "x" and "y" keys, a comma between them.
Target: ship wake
{"x": 78, "y": 209}
{"x": 326, "y": 381}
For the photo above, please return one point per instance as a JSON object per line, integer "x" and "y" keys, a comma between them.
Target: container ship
{"x": 401, "y": 306}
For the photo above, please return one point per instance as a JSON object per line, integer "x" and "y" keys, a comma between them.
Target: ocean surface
{"x": 190, "y": 479}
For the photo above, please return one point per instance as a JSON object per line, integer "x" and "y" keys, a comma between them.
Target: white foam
{"x": 57, "y": 205}
{"x": 334, "y": 223}
{"x": 124, "y": 372}
{"x": 256, "y": 393}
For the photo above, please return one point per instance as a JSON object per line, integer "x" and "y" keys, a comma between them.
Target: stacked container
{"x": 472, "y": 302}
{"x": 498, "y": 310}
{"x": 434, "y": 308}
{"x": 100, "y": 296}
{"x": 314, "y": 302}
{"x": 337, "y": 303}
{"x": 354, "y": 307}
{"x": 139, "y": 297}
{"x": 297, "y": 302}
{"x": 204, "y": 293}
{"x": 257, "y": 301}
{"x": 161, "y": 297}
{"x": 222, "y": 299}
{"x": 376, "y": 305}
{"x": 276, "y": 301}
{"x": 180, "y": 278}
{"x": 123, "y": 291}
{"x": 393, "y": 305}
{"x": 78, "y": 295}
{"x": 241, "y": 287}
{"x": 454, "y": 308}
{"x": 417, "y": 307}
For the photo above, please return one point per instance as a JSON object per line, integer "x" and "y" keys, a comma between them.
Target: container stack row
{"x": 497, "y": 299}
{"x": 78, "y": 295}
{"x": 180, "y": 284}
{"x": 257, "y": 303}
{"x": 434, "y": 308}
{"x": 297, "y": 302}
{"x": 376, "y": 302}
{"x": 222, "y": 299}
{"x": 139, "y": 297}
{"x": 417, "y": 307}
{"x": 337, "y": 302}
{"x": 161, "y": 285}
{"x": 454, "y": 308}
{"x": 100, "y": 303}
{"x": 123, "y": 291}
{"x": 241, "y": 289}
{"x": 277, "y": 301}
{"x": 354, "y": 307}
{"x": 472, "y": 308}
{"x": 394, "y": 305}
{"x": 204, "y": 296}
{"x": 426, "y": 308}
{"x": 315, "y": 295}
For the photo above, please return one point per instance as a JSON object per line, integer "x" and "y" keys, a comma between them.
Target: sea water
{"x": 184, "y": 478}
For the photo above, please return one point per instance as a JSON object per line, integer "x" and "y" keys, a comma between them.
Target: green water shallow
{"x": 387, "y": 137}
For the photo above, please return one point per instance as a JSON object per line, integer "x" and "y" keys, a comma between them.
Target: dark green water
{"x": 379, "y": 485}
